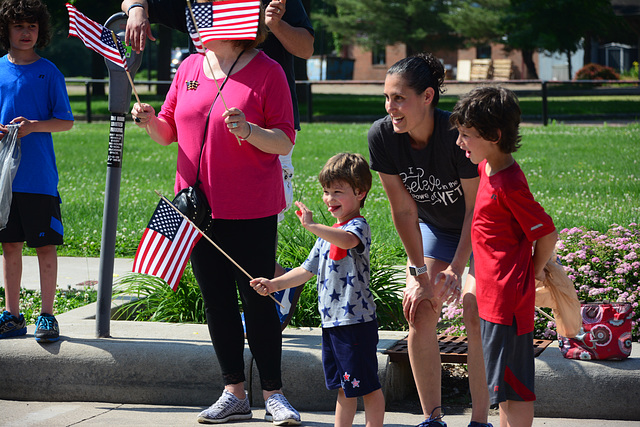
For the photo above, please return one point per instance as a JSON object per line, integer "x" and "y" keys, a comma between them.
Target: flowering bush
{"x": 602, "y": 266}
{"x": 596, "y": 72}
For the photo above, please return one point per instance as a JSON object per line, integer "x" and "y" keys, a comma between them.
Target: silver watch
{"x": 416, "y": 271}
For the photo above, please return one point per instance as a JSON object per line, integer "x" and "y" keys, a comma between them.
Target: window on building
{"x": 483, "y": 52}
{"x": 378, "y": 56}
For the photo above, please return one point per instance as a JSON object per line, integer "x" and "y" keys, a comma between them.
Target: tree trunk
{"x": 165, "y": 40}
{"x": 97, "y": 72}
{"x": 300, "y": 65}
{"x": 527, "y": 57}
{"x": 569, "y": 65}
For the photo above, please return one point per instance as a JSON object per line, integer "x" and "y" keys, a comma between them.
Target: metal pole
{"x": 109, "y": 224}
{"x": 545, "y": 110}
{"x": 119, "y": 100}
{"x": 309, "y": 102}
{"x": 87, "y": 95}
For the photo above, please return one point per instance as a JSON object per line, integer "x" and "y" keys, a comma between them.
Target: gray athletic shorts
{"x": 508, "y": 361}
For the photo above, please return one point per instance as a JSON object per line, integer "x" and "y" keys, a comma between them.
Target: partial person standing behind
{"x": 243, "y": 184}
{"x": 431, "y": 188}
{"x": 340, "y": 259}
{"x": 507, "y": 222}
{"x": 34, "y": 96}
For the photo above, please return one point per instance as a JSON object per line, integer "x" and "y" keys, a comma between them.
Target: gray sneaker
{"x": 227, "y": 408}
{"x": 280, "y": 412}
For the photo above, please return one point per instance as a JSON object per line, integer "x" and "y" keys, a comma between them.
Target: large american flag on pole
{"x": 223, "y": 20}
{"x": 96, "y": 37}
{"x": 166, "y": 245}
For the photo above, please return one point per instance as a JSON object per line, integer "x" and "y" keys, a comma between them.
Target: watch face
{"x": 416, "y": 271}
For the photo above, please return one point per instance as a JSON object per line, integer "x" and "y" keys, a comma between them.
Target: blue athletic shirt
{"x": 37, "y": 92}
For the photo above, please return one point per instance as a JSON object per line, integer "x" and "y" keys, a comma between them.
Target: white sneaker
{"x": 280, "y": 412}
{"x": 227, "y": 408}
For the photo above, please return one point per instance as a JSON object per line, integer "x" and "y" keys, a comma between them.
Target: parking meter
{"x": 119, "y": 101}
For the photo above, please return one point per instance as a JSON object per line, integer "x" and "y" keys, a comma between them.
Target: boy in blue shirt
{"x": 340, "y": 258}
{"x": 512, "y": 238}
{"x": 33, "y": 95}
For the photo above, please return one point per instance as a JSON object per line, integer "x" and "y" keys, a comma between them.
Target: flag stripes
{"x": 223, "y": 20}
{"x": 166, "y": 245}
{"x": 96, "y": 37}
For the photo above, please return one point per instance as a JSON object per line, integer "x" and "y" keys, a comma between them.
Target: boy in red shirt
{"x": 507, "y": 223}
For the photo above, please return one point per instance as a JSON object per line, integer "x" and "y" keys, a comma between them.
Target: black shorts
{"x": 508, "y": 361}
{"x": 35, "y": 219}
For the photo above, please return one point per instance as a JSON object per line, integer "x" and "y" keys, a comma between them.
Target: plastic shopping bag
{"x": 9, "y": 161}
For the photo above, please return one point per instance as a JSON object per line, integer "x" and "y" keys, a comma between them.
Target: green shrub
{"x": 596, "y": 72}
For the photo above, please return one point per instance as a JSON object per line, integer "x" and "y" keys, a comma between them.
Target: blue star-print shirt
{"x": 344, "y": 297}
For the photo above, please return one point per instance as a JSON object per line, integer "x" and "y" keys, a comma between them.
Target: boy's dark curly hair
{"x": 351, "y": 168}
{"x": 420, "y": 72}
{"x": 494, "y": 112}
{"x": 12, "y": 11}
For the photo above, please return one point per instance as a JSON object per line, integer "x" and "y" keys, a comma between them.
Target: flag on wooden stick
{"x": 223, "y": 20}
{"x": 166, "y": 245}
{"x": 96, "y": 37}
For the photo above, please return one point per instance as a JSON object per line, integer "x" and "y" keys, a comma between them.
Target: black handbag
{"x": 192, "y": 201}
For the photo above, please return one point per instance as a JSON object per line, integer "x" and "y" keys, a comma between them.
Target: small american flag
{"x": 166, "y": 245}
{"x": 223, "y": 20}
{"x": 96, "y": 37}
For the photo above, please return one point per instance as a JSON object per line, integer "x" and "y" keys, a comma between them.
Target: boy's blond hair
{"x": 351, "y": 168}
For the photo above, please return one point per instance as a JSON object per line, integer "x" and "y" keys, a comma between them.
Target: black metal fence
{"x": 545, "y": 89}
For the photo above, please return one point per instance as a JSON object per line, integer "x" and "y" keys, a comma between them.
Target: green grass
{"x": 583, "y": 175}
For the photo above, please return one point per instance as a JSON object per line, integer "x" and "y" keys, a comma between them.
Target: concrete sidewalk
{"x": 173, "y": 368}
{"x": 32, "y": 414}
{"x": 74, "y": 272}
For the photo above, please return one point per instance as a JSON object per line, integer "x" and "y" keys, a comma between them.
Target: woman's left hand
{"x": 237, "y": 123}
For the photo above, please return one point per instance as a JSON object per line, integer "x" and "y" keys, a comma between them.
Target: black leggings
{"x": 250, "y": 244}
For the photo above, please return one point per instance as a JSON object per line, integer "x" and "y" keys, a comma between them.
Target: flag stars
{"x": 335, "y": 296}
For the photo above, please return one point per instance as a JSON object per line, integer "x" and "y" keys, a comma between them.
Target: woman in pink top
{"x": 241, "y": 176}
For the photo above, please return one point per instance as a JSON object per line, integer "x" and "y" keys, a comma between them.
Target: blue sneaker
{"x": 47, "y": 329}
{"x": 434, "y": 421}
{"x": 12, "y": 326}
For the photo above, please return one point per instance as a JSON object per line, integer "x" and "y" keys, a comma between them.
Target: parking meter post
{"x": 119, "y": 101}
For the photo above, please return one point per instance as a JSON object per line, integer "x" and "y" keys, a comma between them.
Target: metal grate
{"x": 452, "y": 349}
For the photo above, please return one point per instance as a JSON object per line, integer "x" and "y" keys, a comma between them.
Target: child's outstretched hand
{"x": 304, "y": 214}
{"x": 262, "y": 286}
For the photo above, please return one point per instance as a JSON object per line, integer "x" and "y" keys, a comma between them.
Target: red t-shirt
{"x": 506, "y": 221}
{"x": 240, "y": 181}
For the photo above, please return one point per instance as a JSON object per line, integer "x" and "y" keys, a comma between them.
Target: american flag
{"x": 223, "y": 20}
{"x": 166, "y": 245}
{"x": 96, "y": 37}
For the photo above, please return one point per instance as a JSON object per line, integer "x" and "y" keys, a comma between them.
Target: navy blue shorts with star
{"x": 349, "y": 358}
